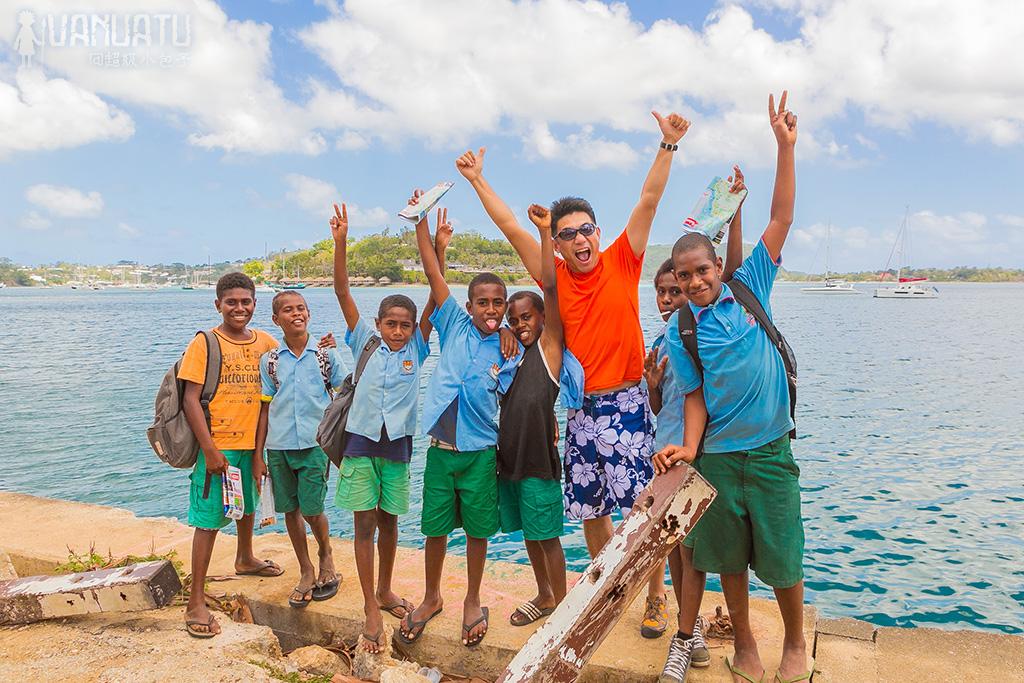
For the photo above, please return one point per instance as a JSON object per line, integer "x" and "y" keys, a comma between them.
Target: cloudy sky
{"x": 219, "y": 128}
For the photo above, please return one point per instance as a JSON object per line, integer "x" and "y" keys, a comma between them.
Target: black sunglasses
{"x": 568, "y": 234}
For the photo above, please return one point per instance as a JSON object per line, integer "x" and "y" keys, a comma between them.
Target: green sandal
{"x": 742, "y": 674}
{"x": 796, "y": 679}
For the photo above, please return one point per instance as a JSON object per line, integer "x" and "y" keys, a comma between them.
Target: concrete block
{"x": 847, "y": 628}
{"x": 142, "y": 586}
{"x": 838, "y": 659}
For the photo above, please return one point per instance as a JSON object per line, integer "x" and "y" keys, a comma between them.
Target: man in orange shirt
{"x": 608, "y": 442}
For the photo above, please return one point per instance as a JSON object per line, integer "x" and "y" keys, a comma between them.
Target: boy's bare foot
{"x": 475, "y": 617}
{"x": 373, "y": 628}
{"x": 414, "y": 623}
{"x": 542, "y": 603}
{"x": 394, "y": 605}
{"x": 200, "y": 623}
{"x": 794, "y": 661}
{"x": 748, "y": 661}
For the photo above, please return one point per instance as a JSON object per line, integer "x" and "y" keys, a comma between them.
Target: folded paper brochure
{"x": 714, "y": 210}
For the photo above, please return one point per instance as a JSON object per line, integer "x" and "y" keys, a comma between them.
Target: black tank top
{"x": 526, "y": 432}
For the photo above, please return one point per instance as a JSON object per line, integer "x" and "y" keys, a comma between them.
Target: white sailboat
{"x": 831, "y": 285}
{"x": 907, "y": 287}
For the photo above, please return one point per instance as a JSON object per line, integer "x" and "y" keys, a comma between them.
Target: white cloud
{"x": 522, "y": 67}
{"x": 128, "y": 230}
{"x": 934, "y": 240}
{"x": 66, "y": 202}
{"x": 33, "y": 220}
{"x": 317, "y": 197}
{"x": 1011, "y": 220}
{"x": 37, "y": 113}
{"x": 351, "y": 141}
{"x": 580, "y": 149}
{"x": 218, "y": 87}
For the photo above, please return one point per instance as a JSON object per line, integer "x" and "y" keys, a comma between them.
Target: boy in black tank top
{"x": 529, "y": 467}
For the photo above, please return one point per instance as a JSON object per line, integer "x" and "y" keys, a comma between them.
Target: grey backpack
{"x": 170, "y": 435}
{"x": 331, "y": 432}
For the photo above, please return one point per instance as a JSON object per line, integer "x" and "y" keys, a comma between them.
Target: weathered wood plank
{"x": 663, "y": 515}
{"x": 142, "y": 586}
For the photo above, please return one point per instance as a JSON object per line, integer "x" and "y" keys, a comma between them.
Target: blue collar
{"x": 724, "y": 295}
{"x": 311, "y": 345}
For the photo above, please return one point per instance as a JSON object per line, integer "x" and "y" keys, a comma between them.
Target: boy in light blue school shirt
{"x": 755, "y": 521}
{"x": 460, "y": 482}
{"x": 745, "y": 386}
{"x": 471, "y": 370}
{"x": 296, "y": 379}
{"x": 387, "y": 395}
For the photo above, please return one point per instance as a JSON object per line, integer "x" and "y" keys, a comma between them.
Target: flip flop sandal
{"x": 269, "y": 568}
{"x": 190, "y": 625}
{"x": 531, "y": 612}
{"x": 304, "y": 602}
{"x": 411, "y": 626}
{"x": 466, "y": 628}
{"x": 326, "y": 590}
{"x": 742, "y": 674}
{"x": 375, "y": 640}
{"x": 796, "y": 679}
{"x": 402, "y": 604}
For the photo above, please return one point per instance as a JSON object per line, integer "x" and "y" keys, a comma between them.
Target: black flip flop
{"x": 413, "y": 625}
{"x": 375, "y": 640}
{"x": 326, "y": 590}
{"x": 299, "y": 604}
{"x": 466, "y": 628}
{"x": 269, "y": 569}
{"x": 402, "y": 604}
{"x": 208, "y": 633}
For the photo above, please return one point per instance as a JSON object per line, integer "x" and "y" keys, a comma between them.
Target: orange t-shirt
{"x": 235, "y": 408}
{"x": 600, "y": 312}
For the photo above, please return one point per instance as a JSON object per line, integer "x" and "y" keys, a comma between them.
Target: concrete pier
{"x": 37, "y": 532}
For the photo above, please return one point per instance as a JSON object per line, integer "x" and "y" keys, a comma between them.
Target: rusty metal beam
{"x": 142, "y": 586}
{"x": 663, "y": 515}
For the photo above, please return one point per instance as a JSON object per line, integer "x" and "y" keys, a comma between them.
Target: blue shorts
{"x": 607, "y": 453}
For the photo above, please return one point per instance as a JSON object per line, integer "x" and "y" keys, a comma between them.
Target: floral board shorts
{"x": 607, "y": 453}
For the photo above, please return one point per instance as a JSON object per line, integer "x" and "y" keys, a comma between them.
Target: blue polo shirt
{"x": 298, "y": 404}
{"x": 388, "y": 391}
{"x": 472, "y": 370}
{"x": 745, "y": 384}
{"x": 670, "y": 420}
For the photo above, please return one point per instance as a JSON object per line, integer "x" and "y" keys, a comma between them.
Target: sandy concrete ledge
{"x": 37, "y": 533}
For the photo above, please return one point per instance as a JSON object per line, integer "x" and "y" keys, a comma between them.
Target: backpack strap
{"x": 753, "y": 306}
{"x": 687, "y": 325}
{"x": 323, "y": 359}
{"x": 272, "y": 357}
{"x": 210, "y": 385}
{"x": 364, "y": 357}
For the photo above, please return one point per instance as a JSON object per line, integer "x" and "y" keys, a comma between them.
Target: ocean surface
{"x": 910, "y": 427}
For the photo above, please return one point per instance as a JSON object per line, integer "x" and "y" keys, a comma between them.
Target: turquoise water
{"x": 909, "y": 419}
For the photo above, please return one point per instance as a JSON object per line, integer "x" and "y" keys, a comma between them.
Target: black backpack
{"x": 742, "y": 293}
{"x": 330, "y": 435}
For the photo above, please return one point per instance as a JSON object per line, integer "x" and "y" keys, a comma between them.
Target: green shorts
{"x": 533, "y": 505}
{"x": 208, "y": 513}
{"x": 300, "y": 480}
{"x": 460, "y": 489}
{"x": 755, "y": 519}
{"x": 366, "y": 483}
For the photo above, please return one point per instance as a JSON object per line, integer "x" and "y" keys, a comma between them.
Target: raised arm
{"x": 734, "y": 245}
{"x": 471, "y": 166}
{"x": 439, "y": 291}
{"x": 442, "y": 237}
{"x": 638, "y": 229}
{"x": 783, "y": 198}
{"x": 339, "y": 231}
{"x": 552, "y": 338}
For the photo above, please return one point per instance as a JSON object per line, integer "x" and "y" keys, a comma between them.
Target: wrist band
{"x": 670, "y": 147}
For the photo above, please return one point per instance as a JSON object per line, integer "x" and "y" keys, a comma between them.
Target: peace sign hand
{"x": 443, "y": 231}
{"x": 339, "y": 224}
{"x": 783, "y": 121}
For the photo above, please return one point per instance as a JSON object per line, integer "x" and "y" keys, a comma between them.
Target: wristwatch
{"x": 669, "y": 147}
